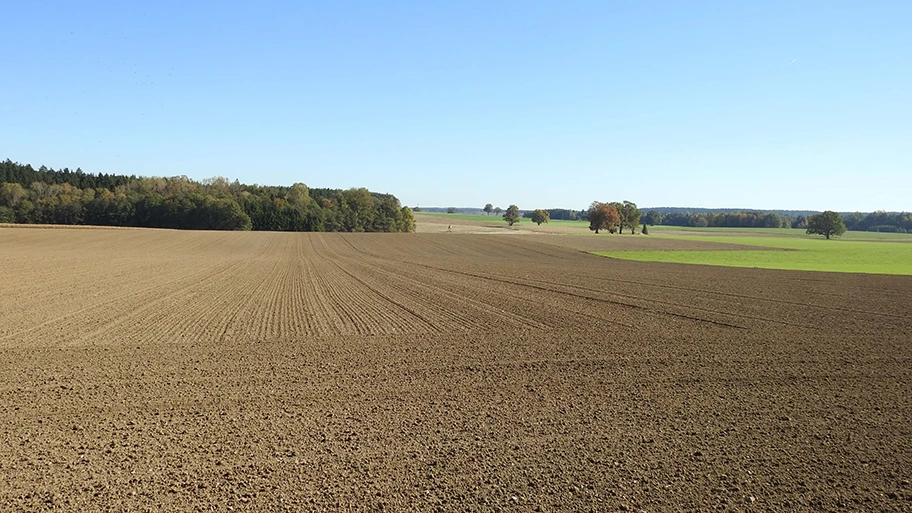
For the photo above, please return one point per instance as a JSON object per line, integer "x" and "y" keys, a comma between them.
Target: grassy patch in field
{"x": 790, "y": 253}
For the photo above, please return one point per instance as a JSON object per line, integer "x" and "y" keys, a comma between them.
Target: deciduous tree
{"x": 488, "y": 209}
{"x": 827, "y": 224}
{"x": 603, "y": 216}
{"x": 511, "y": 216}
{"x": 630, "y": 216}
{"x": 540, "y": 216}
{"x": 407, "y": 223}
{"x": 11, "y": 194}
{"x": 7, "y": 215}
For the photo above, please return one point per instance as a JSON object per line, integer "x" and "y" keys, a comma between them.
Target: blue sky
{"x": 793, "y": 105}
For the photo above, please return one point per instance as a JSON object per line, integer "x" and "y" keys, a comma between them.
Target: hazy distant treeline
{"x": 46, "y": 196}
{"x": 726, "y": 219}
{"x": 876, "y": 221}
{"x": 560, "y": 213}
{"x": 880, "y": 221}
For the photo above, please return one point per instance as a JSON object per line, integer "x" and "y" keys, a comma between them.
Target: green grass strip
{"x": 796, "y": 254}
{"x": 782, "y": 232}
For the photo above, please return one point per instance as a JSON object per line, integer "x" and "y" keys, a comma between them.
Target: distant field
{"x": 580, "y": 228}
{"x": 492, "y": 217}
{"x": 462, "y": 217}
{"x": 429, "y": 222}
{"x": 790, "y": 253}
{"x": 780, "y": 232}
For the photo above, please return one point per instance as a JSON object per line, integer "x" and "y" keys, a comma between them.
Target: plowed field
{"x": 147, "y": 370}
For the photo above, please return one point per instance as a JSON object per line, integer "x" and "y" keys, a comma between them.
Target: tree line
{"x": 879, "y": 221}
{"x": 560, "y": 214}
{"x": 616, "y": 216}
{"x": 47, "y": 196}
{"x": 732, "y": 219}
{"x": 725, "y": 219}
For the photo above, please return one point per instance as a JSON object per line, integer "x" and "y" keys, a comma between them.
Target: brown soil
{"x": 147, "y": 370}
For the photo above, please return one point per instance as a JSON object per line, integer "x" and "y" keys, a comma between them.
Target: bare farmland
{"x": 145, "y": 370}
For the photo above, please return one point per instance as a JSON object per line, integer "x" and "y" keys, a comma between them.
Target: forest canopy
{"x": 46, "y": 196}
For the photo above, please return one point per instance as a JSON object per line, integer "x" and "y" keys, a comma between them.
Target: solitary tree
{"x": 488, "y": 208}
{"x": 497, "y": 211}
{"x": 645, "y": 230}
{"x": 511, "y": 216}
{"x": 540, "y": 216}
{"x": 826, "y": 224}
{"x": 602, "y": 216}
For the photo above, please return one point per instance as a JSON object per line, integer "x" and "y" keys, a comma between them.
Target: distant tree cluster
{"x": 603, "y": 216}
{"x": 722, "y": 219}
{"x": 562, "y": 214}
{"x": 880, "y": 221}
{"x": 55, "y": 197}
{"x": 613, "y": 217}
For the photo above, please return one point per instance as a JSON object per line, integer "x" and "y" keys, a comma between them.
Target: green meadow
{"x": 780, "y": 232}
{"x": 791, "y": 253}
{"x": 494, "y": 218}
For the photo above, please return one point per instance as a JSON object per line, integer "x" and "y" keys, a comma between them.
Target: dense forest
{"x": 46, "y": 196}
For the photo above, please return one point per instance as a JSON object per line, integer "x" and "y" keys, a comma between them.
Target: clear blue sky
{"x": 773, "y": 104}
